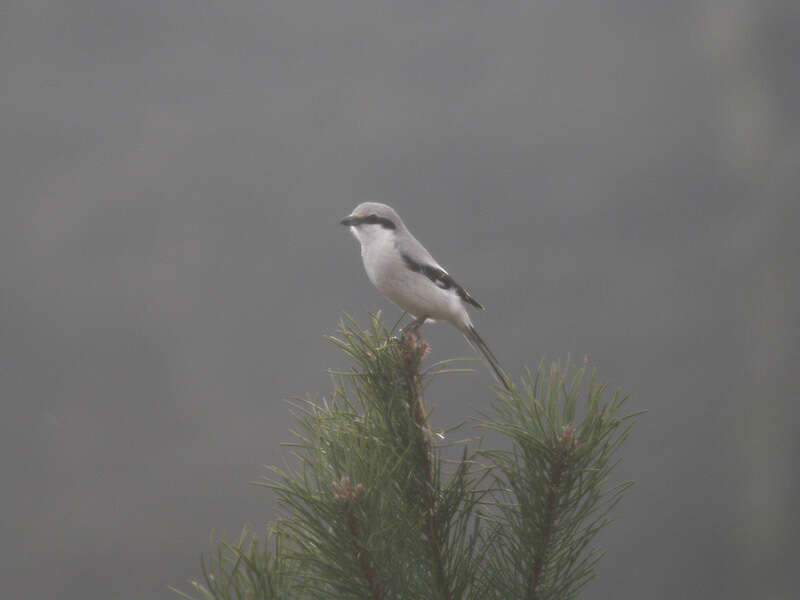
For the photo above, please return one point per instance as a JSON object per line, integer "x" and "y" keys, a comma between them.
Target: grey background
{"x": 612, "y": 179}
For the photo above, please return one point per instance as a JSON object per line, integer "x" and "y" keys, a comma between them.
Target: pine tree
{"x": 374, "y": 509}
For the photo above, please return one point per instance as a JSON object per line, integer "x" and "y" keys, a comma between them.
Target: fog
{"x": 611, "y": 179}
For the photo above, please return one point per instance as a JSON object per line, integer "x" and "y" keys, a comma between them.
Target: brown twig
{"x": 566, "y": 445}
{"x": 347, "y": 495}
{"x": 412, "y": 350}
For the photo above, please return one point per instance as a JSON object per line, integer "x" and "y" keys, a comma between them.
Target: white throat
{"x": 373, "y": 236}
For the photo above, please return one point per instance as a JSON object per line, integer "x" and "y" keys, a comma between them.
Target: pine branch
{"x": 551, "y": 506}
{"x": 348, "y": 495}
{"x": 412, "y": 350}
{"x": 552, "y": 496}
{"x": 247, "y": 569}
{"x": 371, "y": 510}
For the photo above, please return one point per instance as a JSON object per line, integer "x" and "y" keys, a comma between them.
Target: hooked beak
{"x": 349, "y": 221}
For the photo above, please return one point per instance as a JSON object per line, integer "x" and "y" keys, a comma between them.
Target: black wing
{"x": 440, "y": 278}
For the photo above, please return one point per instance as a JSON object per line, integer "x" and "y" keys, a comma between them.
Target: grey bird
{"x": 406, "y": 273}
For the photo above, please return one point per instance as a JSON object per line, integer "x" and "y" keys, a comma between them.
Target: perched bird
{"x": 405, "y": 272}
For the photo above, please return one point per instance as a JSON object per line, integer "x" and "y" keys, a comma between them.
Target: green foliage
{"x": 372, "y": 509}
{"x": 553, "y": 494}
{"x": 246, "y": 569}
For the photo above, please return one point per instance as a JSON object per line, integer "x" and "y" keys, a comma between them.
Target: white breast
{"x": 378, "y": 253}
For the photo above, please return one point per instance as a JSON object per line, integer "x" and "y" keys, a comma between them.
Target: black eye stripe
{"x": 376, "y": 220}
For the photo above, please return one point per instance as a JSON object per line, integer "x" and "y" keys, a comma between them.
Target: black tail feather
{"x": 479, "y": 345}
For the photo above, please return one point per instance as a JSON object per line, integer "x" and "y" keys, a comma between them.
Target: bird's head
{"x": 370, "y": 220}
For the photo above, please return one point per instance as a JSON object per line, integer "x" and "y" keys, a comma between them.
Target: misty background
{"x": 614, "y": 179}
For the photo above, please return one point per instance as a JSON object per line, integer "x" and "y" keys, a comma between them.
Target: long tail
{"x": 480, "y": 346}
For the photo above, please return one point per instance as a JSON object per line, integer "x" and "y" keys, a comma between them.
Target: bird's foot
{"x": 412, "y": 329}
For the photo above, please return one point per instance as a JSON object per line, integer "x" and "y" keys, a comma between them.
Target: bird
{"x": 405, "y": 272}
